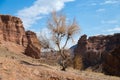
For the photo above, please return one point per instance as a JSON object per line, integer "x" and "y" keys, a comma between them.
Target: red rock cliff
{"x": 100, "y": 52}
{"x": 12, "y": 31}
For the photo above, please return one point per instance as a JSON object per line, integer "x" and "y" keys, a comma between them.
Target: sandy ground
{"x": 20, "y": 67}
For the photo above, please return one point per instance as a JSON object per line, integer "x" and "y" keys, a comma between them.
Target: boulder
{"x": 33, "y": 47}
{"x": 32, "y": 51}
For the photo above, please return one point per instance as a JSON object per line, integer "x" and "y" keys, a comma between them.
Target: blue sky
{"x": 94, "y": 16}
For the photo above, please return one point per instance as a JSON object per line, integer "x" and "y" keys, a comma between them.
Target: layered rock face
{"x": 98, "y": 51}
{"x": 12, "y": 31}
{"x": 33, "y": 47}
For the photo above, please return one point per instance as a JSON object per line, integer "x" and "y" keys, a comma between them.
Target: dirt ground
{"x": 20, "y": 67}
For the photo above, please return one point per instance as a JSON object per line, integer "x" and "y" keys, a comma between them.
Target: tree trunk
{"x": 64, "y": 65}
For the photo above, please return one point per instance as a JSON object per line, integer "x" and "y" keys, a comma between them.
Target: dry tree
{"x": 45, "y": 41}
{"x": 62, "y": 31}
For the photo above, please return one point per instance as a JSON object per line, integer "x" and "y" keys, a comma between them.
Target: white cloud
{"x": 110, "y": 2}
{"x": 109, "y": 22}
{"x": 100, "y": 10}
{"x": 45, "y": 31}
{"x": 33, "y": 13}
{"x": 116, "y": 29}
{"x": 93, "y": 4}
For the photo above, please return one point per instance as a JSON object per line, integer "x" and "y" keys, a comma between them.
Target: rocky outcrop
{"x": 97, "y": 52}
{"x": 12, "y": 30}
{"x": 32, "y": 51}
{"x": 80, "y": 51}
{"x": 111, "y": 64}
{"x": 33, "y": 47}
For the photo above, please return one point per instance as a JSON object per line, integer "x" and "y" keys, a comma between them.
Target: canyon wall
{"x": 13, "y": 35}
{"x": 101, "y": 53}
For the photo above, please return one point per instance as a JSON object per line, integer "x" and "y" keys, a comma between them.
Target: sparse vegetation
{"x": 61, "y": 31}
{"x": 78, "y": 64}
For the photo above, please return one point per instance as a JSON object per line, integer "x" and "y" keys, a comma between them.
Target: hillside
{"x": 20, "y": 67}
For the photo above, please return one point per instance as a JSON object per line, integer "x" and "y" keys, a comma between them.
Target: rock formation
{"x": 111, "y": 64}
{"x": 33, "y": 47}
{"x": 12, "y": 31}
{"x": 97, "y": 52}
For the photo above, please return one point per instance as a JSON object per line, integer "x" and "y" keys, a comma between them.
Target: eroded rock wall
{"x": 97, "y": 52}
{"x": 12, "y": 31}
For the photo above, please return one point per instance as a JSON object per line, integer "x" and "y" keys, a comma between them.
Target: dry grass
{"x": 78, "y": 64}
{"x": 14, "y": 70}
{"x": 20, "y": 67}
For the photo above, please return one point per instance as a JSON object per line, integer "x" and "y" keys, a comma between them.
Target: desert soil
{"x": 20, "y": 67}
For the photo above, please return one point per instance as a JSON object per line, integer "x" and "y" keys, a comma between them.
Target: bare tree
{"x": 45, "y": 41}
{"x": 62, "y": 31}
